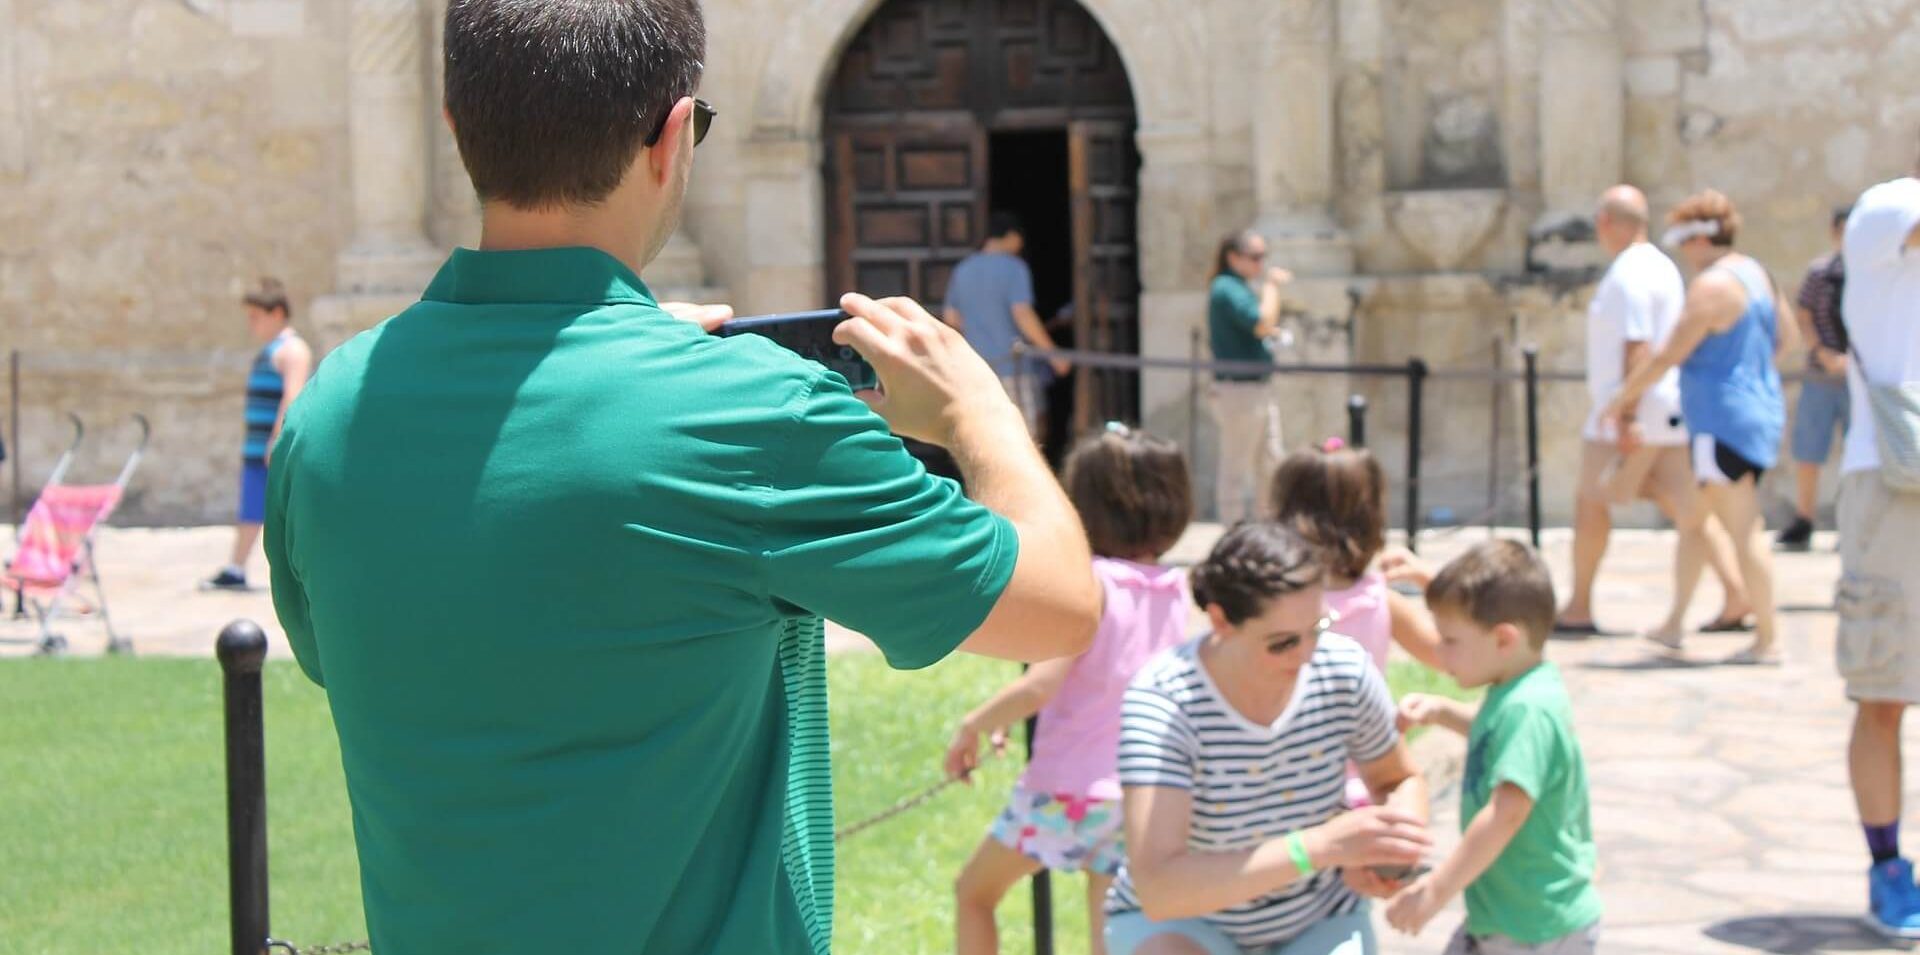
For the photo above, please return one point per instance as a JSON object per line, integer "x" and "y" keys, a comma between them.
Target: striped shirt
{"x": 1254, "y": 783}
{"x": 265, "y": 388}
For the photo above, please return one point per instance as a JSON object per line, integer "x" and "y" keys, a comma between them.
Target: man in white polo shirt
{"x": 1878, "y": 646}
{"x": 1636, "y": 305}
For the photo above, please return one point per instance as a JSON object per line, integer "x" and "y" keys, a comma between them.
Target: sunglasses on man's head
{"x": 1283, "y": 645}
{"x": 703, "y": 114}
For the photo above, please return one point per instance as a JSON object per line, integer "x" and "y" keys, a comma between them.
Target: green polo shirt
{"x": 1233, "y": 311}
{"x": 560, "y": 560}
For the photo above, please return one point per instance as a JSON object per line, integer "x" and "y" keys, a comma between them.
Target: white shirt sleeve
{"x": 1631, "y": 304}
{"x": 1881, "y": 224}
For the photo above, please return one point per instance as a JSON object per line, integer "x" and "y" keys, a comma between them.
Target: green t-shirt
{"x": 1541, "y": 887}
{"x": 559, "y": 560}
{"x": 1233, "y": 310}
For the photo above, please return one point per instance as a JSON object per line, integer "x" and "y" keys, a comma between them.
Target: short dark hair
{"x": 269, "y": 295}
{"x": 1233, "y": 242}
{"x": 1841, "y": 213}
{"x": 1132, "y": 490}
{"x": 1337, "y": 500}
{"x": 1253, "y": 563}
{"x": 551, "y": 100}
{"x": 1002, "y": 224}
{"x": 1498, "y": 582}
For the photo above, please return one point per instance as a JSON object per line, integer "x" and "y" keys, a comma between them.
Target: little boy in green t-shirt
{"x": 1526, "y": 855}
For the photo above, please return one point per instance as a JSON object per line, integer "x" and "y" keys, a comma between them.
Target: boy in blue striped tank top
{"x": 279, "y": 371}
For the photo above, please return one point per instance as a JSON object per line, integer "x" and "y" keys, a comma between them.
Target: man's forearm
{"x": 1195, "y": 883}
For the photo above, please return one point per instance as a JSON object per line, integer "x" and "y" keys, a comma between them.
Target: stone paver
{"x": 1720, "y": 794}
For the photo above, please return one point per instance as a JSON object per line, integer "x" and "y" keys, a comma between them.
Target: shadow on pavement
{"x": 1802, "y": 934}
{"x": 1648, "y": 663}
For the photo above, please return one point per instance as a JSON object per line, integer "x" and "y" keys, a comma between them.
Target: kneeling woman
{"x": 1233, "y": 756}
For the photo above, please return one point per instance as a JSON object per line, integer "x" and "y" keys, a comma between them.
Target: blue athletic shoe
{"x": 1893, "y": 900}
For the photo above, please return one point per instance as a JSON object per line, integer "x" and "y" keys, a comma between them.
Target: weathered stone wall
{"x": 157, "y": 154}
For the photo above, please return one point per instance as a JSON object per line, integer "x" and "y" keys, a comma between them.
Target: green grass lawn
{"x": 114, "y": 837}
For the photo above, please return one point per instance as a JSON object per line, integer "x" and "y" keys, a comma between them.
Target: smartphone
{"x": 1401, "y": 873}
{"x": 809, "y": 335}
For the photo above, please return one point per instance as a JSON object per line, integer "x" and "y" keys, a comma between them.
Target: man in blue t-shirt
{"x": 990, "y": 301}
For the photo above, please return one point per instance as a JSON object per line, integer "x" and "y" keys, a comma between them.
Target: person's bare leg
{"x": 1097, "y": 886}
{"x": 1806, "y": 487}
{"x": 1738, "y": 508}
{"x": 1671, "y": 485}
{"x": 245, "y": 536}
{"x": 1592, "y": 525}
{"x": 1737, "y": 605}
{"x": 1873, "y": 761}
{"x": 984, "y": 881}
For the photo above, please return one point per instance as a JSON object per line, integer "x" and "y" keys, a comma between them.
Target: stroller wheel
{"x": 120, "y": 646}
{"x": 54, "y": 645}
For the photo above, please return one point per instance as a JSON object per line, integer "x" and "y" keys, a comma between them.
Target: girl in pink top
{"x": 1336, "y": 498}
{"x": 1135, "y": 498}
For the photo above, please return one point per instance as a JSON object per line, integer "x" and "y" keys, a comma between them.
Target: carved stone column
{"x": 13, "y": 114}
{"x": 387, "y": 127}
{"x": 1293, "y": 138}
{"x": 1582, "y": 103}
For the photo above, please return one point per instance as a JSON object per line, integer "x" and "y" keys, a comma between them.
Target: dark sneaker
{"x": 1893, "y": 904}
{"x": 225, "y": 580}
{"x": 1797, "y": 538}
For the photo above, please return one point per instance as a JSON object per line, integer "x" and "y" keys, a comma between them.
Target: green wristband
{"x": 1297, "y": 848}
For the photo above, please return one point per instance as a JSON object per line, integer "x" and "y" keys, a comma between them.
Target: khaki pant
{"x": 1250, "y": 447}
{"x": 1584, "y": 942}
{"x": 1878, "y": 647}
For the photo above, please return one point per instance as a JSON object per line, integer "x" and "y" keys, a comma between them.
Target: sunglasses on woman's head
{"x": 703, "y": 114}
{"x": 1281, "y": 646}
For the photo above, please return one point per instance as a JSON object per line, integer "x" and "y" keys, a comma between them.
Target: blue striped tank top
{"x": 265, "y": 388}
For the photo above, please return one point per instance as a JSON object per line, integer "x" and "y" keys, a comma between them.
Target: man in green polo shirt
{"x": 560, "y": 557}
{"x": 1239, "y": 319}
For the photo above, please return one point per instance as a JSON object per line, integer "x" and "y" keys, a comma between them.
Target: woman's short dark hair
{"x": 1709, "y": 205}
{"x": 1234, "y": 242}
{"x": 1254, "y": 563}
{"x": 1337, "y": 500}
{"x": 551, "y": 100}
{"x": 1132, "y": 490}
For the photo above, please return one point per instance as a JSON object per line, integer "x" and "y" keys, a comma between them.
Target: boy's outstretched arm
{"x": 1486, "y": 837}
{"x": 1425, "y": 709}
{"x": 1015, "y": 702}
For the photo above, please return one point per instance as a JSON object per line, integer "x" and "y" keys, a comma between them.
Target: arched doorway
{"x": 940, "y": 110}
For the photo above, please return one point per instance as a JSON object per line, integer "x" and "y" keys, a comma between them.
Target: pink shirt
{"x": 1079, "y": 733}
{"x": 1361, "y": 612}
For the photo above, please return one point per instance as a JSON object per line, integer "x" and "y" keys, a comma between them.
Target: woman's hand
{"x": 1414, "y": 907}
{"x": 963, "y": 753}
{"x": 1376, "y": 835}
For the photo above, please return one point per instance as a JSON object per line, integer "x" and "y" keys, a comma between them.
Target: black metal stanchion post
{"x": 1531, "y": 355}
{"x": 1193, "y": 397}
{"x": 242, "y": 648}
{"x": 1416, "y": 389}
{"x": 1357, "y": 420}
{"x": 1042, "y": 884}
{"x": 13, "y": 432}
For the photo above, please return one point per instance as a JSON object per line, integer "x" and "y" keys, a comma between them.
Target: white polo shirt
{"x": 1881, "y": 305}
{"x": 1639, "y": 300}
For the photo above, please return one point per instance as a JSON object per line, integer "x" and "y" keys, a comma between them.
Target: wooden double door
{"x": 911, "y": 120}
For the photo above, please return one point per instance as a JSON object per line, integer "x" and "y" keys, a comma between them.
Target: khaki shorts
{"x": 1584, "y": 942}
{"x": 1879, "y": 584}
{"x": 1024, "y": 391}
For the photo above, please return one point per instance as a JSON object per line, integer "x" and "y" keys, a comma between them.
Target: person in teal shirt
{"x": 1239, "y": 320}
{"x": 1526, "y": 856}
{"x": 560, "y": 557}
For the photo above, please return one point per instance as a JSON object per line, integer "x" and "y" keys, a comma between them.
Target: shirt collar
{"x": 572, "y": 276}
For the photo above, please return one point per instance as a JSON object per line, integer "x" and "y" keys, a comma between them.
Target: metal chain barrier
{"x": 899, "y": 808}
{"x": 339, "y": 948}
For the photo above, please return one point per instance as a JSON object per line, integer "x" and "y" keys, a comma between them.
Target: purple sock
{"x": 1883, "y": 841}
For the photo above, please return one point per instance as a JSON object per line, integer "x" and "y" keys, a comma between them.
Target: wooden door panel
{"x": 908, "y": 201}
{"x": 1101, "y": 162}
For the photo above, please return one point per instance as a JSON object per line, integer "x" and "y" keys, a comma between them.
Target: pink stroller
{"x": 56, "y": 543}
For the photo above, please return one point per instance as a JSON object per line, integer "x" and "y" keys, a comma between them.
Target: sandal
{"x": 1586, "y": 629}
{"x": 1751, "y": 657}
{"x": 1730, "y": 625}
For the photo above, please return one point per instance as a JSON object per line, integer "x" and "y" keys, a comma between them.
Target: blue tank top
{"x": 265, "y": 387}
{"x": 1729, "y": 387}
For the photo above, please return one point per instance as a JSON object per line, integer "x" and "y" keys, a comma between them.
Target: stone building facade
{"x": 155, "y": 155}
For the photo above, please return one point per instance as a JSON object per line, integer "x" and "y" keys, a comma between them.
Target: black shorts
{"x": 1715, "y": 463}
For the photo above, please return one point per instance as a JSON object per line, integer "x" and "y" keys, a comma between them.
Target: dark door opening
{"x": 1028, "y": 176}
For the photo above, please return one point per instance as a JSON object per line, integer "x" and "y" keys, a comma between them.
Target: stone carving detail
{"x": 1300, "y": 21}
{"x": 1582, "y": 16}
{"x": 1445, "y": 226}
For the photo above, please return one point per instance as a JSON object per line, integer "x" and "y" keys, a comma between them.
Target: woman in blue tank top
{"x": 1727, "y": 345}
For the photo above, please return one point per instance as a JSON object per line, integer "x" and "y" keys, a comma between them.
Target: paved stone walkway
{"x": 1720, "y": 794}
